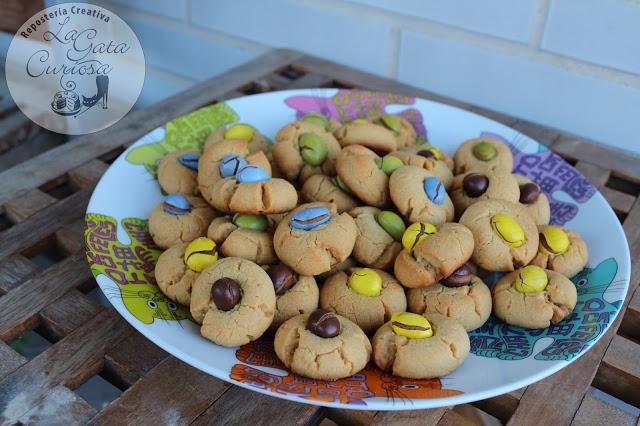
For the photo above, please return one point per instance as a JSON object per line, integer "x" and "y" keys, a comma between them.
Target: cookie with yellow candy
{"x": 420, "y": 346}
{"x": 247, "y": 236}
{"x": 256, "y": 141}
{"x": 366, "y": 296}
{"x": 178, "y": 267}
{"x": 533, "y": 297}
{"x": 506, "y": 238}
{"x": 431, "y": 253}
{"x": 561, "y": 250}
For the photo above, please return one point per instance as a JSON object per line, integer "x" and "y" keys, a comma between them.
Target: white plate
{"x": 503, "y": 358}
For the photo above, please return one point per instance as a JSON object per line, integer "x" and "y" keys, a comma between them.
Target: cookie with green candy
{"x": 533, "y": 297}
{"x": 243, "y": 235}
{"x": 366, "y": 296}
{"x": 482, "y": 154}
{"x": 379, "y": 236}
{"x": 382, "y": 134}
{"x": 329, "y": 190}
{"x": 420, "y": 346}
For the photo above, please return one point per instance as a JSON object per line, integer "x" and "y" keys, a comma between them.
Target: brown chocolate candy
{"x": 323, "y": 323}
{"x": 282, "y": 276}
{"x": 426, "y": 153}
{"x": 475, "y": 184}
{"x": 529, "y": 193}
{"x": 459, "y": 278}
{"x": 226, "y": 293}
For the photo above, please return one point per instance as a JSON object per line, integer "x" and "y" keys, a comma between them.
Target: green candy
{"x": 250, "y": 221}
{"x": 312, "y": 149}
{"x": 484, "y": 151}
{"x": 392, "y": 123}
{"x": 340, "y": 184}
{"x": 389, "y": 163}
{"x": 392, "y": 223}
{"x": 318, "y": 119}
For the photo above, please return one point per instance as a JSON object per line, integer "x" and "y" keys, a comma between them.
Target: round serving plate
{"x": 503, "y": 358}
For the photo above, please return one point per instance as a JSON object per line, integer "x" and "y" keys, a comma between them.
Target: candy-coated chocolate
{"x": 239, "y": 131}
{"x": 484, "y": 151}
{"x": 323, "y": 324}
{"x": 365, "y": 281}
{"x": 200, "y": 254}
{"x": 475, "y": 184}
{"x": 435, "y": 190}
{"x": 392, "y": 123}
{"x": 360, "y": 121}
{"x": 411, "y": 325}
{"x": 316, "y": 118}
{"x": 226, "y": 293}
{"x": 459, "y": 278}
{"x": 389, "y": 163}
{"x": 553, "y": 240}
{"x": 508, "y": 229}
{"x": 340, "y": 184}
{"x": 416, "y": 233}
{"x": 313, "y": 149}
{"x": 189, "y": 160}
{"x": 230, "y": 165}
{"x": 531, "y": 279}
{"x": 282, "y": 277}
{"x": 310, "y": 218}
{"x": 392, "y": 223}
{"x": 529, "y": 193}
{"x": 251, "y": 173}
{"x": 176, "y": 205}
{"x": 251, "y": 221}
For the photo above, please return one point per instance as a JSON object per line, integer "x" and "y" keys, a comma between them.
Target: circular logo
{"x": 75, "y": 68}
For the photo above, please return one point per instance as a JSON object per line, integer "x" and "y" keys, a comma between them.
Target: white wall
{"x": 570, "y": 64}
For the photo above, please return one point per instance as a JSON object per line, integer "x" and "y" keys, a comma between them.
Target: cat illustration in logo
{"x": 368, "y": 383}
{"x": 130, "y": 267}
{"x": 349, "y": 104}
{"x": 593, "y": 313}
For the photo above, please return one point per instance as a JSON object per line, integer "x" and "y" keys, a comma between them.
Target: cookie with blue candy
{"x": 314, "y": 237}
{"x": 224, "y": 159}
{"x": 179, "y": 219}
{"x": 420, "y": 196}
{"x": 251, "y": 190}
{"x": 178, "y": 172}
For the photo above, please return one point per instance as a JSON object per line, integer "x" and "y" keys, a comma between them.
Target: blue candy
{"x": 251, "y": 173}
{"x": 176, "y": 205}
{"x": 189, "y": 160}
{"x": 310, "y": 218}
{"x": 231, "y": 164}
{"x": 434, "y": 190}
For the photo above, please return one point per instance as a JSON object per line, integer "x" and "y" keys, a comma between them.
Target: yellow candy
{"x": 531, "y": 279}
{"x": 239, "y": 131}
{"x": 437, "y": 153}
{"x": 510, "y": 230}
{"x": 410, "y": 325}
{"x": 366, "y": 282}
{"x": 200, "y": 254}
{"x": 416, "y": 233}
{"x": 360, "y": 121}
{"x": 553, "y": 240}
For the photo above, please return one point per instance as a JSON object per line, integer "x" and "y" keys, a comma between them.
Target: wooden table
{"x": 44, "y": 189}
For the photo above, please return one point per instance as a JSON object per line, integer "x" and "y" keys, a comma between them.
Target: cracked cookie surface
{"x": 168, "y": 230}
{"x": 568, "y": 263}
{"x": 424, "y": 358}
{"x": 374, "y": 246}
{"x": 356, "y": 165}
{"x": 322, "y": 358}
{"x": 173, "y": 277}
{"x": 256, "y": 246}
{"x": 175, "y": 178}
{"x": 322, "y": 188}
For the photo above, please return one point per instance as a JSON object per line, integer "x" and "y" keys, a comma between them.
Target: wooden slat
{"x": 619, "y": 372}
{"x": 631, "y": 322}
{"x": 623, "y": 162}
{"x": 14, "y": 270}
{"x": 243, "y": 407}
{"x": 87, "y": 175}
{"x": 572, "y": 382}
{"x": 10, "y": 360}
{"x": 409, "y": 418}
{"x": 69, "y": 362}
{"x": 58, "y": 406}
{"x": 596, "y": 174}
{"x": 452, "y": 418}
{"x": 43, "y": 223}
{"x": 28, "y": 149}
{"x": 619, "y": 200}
{"x": 16, "y": 128}
{"x": 27, "y": 205}
{"x": 595, "y": 412}
{"x": 58, "y": 161}
{"x": 310, "y": 80}
{"x": 19, "y": 307}
{"x": 70, "y": 239}
{"x": 349, "y": 417}
{"x": 500, "y": 407}
{"x": 172, "y": 393}
{"x": 132, "y": 358}
{"x": 69, "y": 312}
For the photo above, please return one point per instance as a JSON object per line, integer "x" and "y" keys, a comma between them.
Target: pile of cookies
{"x": 358, "y": 241}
